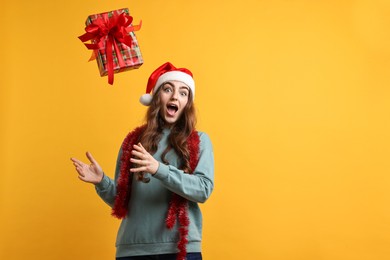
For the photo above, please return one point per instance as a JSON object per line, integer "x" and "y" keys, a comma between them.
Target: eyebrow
{"x": 181, "y": 87}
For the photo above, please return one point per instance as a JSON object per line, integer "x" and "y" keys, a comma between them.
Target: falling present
{"x": 113, "y": 41}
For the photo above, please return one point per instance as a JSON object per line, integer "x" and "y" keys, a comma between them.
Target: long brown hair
{"x": 180, "y": 131}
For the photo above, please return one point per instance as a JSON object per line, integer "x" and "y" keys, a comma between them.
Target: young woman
{"x": 164, "y": 169}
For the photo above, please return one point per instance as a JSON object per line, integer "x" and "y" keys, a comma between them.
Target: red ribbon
{"x": 109, "y": 31}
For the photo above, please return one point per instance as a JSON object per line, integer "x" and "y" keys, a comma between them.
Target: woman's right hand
{"x": 91, "y": 173}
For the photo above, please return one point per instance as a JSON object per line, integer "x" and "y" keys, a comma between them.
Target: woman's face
{"x": 174, "y": 97}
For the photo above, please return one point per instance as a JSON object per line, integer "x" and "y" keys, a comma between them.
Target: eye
{"x": 167, "y": 88}
{"x": 184, "y": 92}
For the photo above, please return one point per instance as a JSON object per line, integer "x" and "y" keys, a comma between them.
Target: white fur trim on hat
{"x": 176, "y": 75}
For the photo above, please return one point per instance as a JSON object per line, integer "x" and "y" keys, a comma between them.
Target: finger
{"x": 142, "y": 147}
{"x": 137, "y": 148}
{"x": 78, "y": 166}
{"x": 76, "y": 161}
{"x": 138, "y": 161}
{"x": 80, "y": 171}
{"x": 90, "y": 158}
{"x": 81, "y": 175}
{"x": 137, "y": 154}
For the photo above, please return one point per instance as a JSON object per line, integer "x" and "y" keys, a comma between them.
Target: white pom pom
{"x": 146, "y": 99}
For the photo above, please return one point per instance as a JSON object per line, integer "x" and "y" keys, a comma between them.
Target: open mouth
{"x": 172, "y": 109}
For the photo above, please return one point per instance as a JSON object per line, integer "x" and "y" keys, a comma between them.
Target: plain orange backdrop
{"x": 294, "y": 95}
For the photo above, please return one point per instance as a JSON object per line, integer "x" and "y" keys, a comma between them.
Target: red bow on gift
{"x": 110, "y": 30}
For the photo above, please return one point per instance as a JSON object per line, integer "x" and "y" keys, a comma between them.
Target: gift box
{"x": 113, "y": 41}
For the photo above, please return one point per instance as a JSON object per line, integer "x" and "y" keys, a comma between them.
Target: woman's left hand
{"x": 144, "y": 161}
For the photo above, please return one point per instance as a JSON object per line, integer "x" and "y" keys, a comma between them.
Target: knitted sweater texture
{"x": 143, "y": 230}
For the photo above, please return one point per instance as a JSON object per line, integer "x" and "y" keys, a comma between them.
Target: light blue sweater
{"x": 143, "y": 231}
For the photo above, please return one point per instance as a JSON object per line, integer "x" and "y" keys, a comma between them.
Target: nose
{"x": 175, "y": 94}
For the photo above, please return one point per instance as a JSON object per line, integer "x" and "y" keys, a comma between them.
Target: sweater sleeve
{"x": 197, "y": 186}
{"x": 106, "y": 189}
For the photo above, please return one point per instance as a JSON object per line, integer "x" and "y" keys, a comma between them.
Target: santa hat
{"x": 164, "y": 73}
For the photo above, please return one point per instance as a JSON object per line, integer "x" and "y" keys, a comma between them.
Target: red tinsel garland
{"x": 123, "y": 189}
{"x": 178, "y": 206}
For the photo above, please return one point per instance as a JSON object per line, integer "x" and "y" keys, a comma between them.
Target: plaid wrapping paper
{"x": 131, "y": 55}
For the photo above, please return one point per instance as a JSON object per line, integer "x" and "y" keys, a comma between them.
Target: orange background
{"x": 294, "y": 95}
